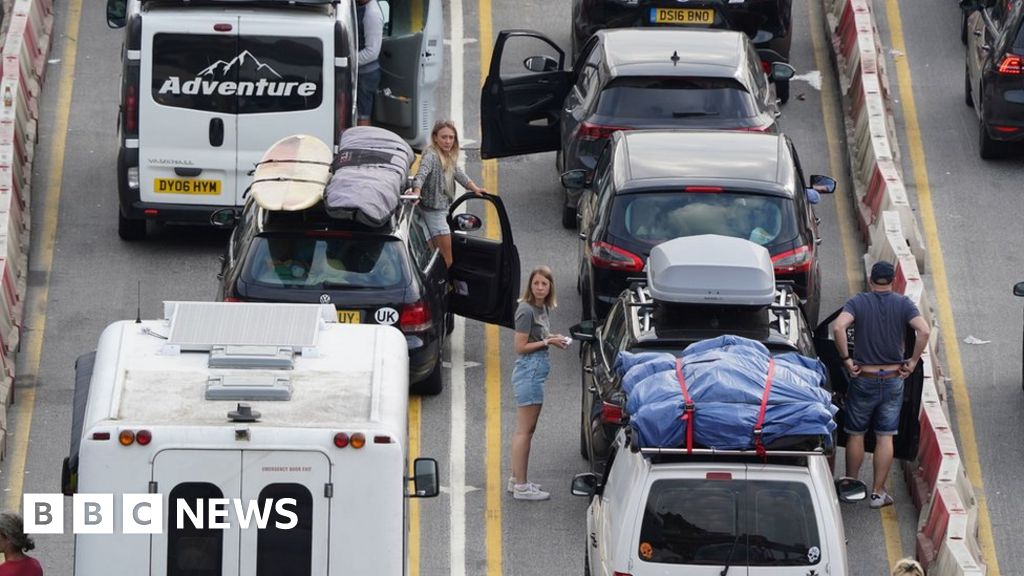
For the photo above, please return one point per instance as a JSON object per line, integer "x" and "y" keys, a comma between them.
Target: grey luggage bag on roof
{"x": 370, "y": 173}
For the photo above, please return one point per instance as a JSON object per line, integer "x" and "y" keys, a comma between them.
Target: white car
{"x": 664, "y": 512}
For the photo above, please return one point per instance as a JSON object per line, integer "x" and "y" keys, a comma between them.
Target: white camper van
{"x": 259, "y": 404}
{"x": 208, "y": 85}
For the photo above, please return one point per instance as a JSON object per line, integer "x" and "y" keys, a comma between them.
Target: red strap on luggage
{"x": 758, "y": 445}
{"x": 688, "y": 407}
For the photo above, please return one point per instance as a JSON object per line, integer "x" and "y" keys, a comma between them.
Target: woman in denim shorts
{"x": 533, "y": 337}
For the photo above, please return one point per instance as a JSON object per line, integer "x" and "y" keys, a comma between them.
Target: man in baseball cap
{"x": 877, "y": 368}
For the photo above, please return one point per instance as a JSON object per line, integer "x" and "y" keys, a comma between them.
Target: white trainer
{"x": 529, "y": 491}
{"x": 510, "y": 487}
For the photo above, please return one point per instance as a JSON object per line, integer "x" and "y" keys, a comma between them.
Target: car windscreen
{"x": 725, "y": 521}
{"x": 329, "y": 262}
{"x": 673, "y": 100}
{"x": 237, "y": 75}
{"x": 654, "y": 217}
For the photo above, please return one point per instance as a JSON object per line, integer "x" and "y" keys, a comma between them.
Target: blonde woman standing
{"x": 435, "y": 185}
{"x": 532, "y": 339}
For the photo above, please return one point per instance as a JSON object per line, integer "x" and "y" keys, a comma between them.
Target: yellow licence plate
{"x": 682, "y": 16}
{"x": 349, "y": 316}
{"x": 186, "y": 186}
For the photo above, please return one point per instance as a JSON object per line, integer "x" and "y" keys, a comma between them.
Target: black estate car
{"x": 387, "y": 275}
{"x": 624, "y": 79}
{"x": 994, "y": 73}
{"x": 650, "y": 186}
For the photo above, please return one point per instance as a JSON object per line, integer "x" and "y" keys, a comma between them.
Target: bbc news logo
{"x": 144, "y": 513}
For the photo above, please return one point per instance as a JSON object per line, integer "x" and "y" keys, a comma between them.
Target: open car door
{"x": 485, "y": 270}
{"x": 520, "y": 109}
{"x": 906, "y": 441}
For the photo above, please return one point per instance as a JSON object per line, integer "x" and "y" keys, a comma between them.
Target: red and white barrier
{"x": 947, "y": 539}
{"x": 22, "y": 68}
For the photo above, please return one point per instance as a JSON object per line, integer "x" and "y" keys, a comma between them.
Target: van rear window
{"x": 286, "y": 550}
{"x": 193, "y": 551}
{"x": 735, "y": 522}
{"x": 237, "y": 75}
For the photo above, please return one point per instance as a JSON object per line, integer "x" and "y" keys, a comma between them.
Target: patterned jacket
{"x": 430, "y": 180}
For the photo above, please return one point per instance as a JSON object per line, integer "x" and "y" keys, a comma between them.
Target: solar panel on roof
{"x": 201, "y": 326}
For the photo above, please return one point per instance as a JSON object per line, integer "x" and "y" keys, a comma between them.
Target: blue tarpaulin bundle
{"x": 725, "y": 379}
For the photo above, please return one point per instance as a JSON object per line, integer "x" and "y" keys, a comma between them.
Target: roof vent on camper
{"x": 711, "y": 269}
{"x": 243, "y": 413}
{"x": 249, "y": 387}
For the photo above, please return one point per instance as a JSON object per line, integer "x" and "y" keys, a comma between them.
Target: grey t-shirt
{"x": 533, "y": 320}
{"x": 880, "y": 324}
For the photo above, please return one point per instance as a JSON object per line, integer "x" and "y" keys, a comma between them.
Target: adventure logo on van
{"x": 217, "y": 78}
{"x": 237, "y": 75}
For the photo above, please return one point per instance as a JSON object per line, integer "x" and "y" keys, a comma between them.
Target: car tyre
{"x": 130, "y": 230}
{"x": 569, "y": 217}
{"x": 583, "y": 425}
{"x": 963, "y": 27}
{"x": 782, "y": 91}
{"x": 432, "y": 384}
{"x": 967, "y": 88}
{"x": 449, "y": 322}
{"x": 586, "y": 562}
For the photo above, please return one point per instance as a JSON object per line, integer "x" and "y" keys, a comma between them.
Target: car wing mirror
{"x": 117, "y": 13}
{"x": 782, "y": 71}
{"x": 584, "y": 331}
{"x": 424, "y": 479}
{"x": 823, "y": 184}
{"x": 540, "y": 64}
{"x": 224, "y": 218}
{"x": 584, "y": 484}
{"x": 467, "y": 222}
{"x": 851, "y": 490}
{"x": 1018, "y": 289}
{"x": 574, "y": 179}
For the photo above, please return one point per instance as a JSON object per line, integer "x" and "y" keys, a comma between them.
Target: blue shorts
{"x": 528, "y": 377}
{"x": 874, "y": 399}
{"x": 435, "y": 221}
{"x": 366, "y": 92}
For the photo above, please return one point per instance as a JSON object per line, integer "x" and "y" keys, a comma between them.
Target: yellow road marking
{"x": 35, "y": 311}
{"x": 950, "y": 345}
{"x": 845, "y": 214}
{"x": 413, "y": 552}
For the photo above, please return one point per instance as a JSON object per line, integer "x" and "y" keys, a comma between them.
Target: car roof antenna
{"x": 675, "y": 58}
{"x": 138, "y": 304}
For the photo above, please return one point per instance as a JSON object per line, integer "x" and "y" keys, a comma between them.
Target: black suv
{"x": 637, "y": 323}
{"x": 994, "y": 72}
{"x": 387, "y": 275}
{"x": 650, "y": 186}
{"x": 768, "y": 23}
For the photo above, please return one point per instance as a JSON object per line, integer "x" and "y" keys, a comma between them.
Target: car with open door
{"x": 624, "y": 79}
{"x": 208, "y": 85}
{"x": 388, "y": 275}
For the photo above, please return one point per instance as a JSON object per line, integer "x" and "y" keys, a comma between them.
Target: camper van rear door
{"x": 187, "y": 122}
{"x": 193, "y": 477}
{"x": 290, "y": 485}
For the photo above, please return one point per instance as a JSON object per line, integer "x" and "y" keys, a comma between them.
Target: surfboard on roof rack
{"x": 292, "y": 174}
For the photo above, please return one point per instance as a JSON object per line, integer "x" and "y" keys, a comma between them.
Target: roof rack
{"x": 715, "y": 452}
{"x": 289, "y": 3}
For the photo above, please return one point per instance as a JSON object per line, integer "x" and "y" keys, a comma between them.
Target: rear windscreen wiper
{"x": 692, "y": 114}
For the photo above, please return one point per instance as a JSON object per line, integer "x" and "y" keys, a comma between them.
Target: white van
{"x": 208, "y": 85}
{"x": 255, "y": 403}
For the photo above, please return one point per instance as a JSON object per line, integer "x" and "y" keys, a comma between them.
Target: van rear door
{"x": 187, "y": 126}
{"x": 296, "y": 544}
{"x": 286, "y": 85}
{"x": 195, "y": 476}
{"x": 411, "y": 61}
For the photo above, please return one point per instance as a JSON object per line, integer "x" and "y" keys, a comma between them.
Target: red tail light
{"x": 763, "y": 128}
{"x": 231, "y": 299}
{"x": 798, "y": 260}
{"x": 621, "y": 574}
{"x": 131, "y": 110}
{"x": 766, "y": 66}
{"x": 604, "y": 255}
{"x": 702, "y": 189}
{"x": 588, "y": 131}
{"x": 718, "y": 476}
{"x": 1011, "y": 64}
{"x": 415, "y": 317}
{"x": 611, "y": 413}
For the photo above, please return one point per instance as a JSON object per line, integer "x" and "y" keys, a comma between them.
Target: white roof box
{"x": 711, "y": 269}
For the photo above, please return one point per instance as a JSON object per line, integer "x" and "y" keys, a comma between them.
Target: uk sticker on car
{"x": 386, "y": 316}
{"x": 186, "y": 186}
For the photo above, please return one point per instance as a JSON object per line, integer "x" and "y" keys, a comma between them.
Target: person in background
{"x": 371, "y": 35}
{"x": 435, "y": 185}
{"x": 532, "y": 339}
{"x": 877, "y": 370}
{"x": 14, "y": 543}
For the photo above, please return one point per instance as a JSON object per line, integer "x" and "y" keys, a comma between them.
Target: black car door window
{"x": 421, "y": 250}
{"x": 612, "y": 335}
